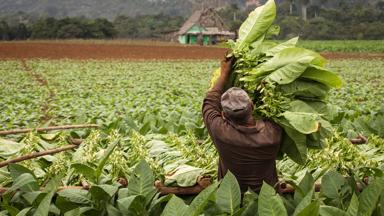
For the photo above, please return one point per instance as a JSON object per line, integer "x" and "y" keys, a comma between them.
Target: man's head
{"x": 236, "y": 105}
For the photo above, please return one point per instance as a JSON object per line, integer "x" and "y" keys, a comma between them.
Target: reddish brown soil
{"x": 60, "y": 50}
{"x": 105, "y": 51}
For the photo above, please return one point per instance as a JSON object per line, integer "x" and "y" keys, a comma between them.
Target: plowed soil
{"x": 60, "y": 50}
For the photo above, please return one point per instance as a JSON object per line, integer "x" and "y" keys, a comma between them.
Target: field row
{"x": 163, "y": 96}
{"x": 152, "y": 110}
{"x": 103, "y": 50}
{"x": 157, "y": 99}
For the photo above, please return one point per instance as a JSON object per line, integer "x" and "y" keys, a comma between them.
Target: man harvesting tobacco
{"x": 246, "y": 146}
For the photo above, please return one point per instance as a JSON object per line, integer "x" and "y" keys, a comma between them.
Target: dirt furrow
{"x": 39, "y": 78}
{"x": 85, "y": 51}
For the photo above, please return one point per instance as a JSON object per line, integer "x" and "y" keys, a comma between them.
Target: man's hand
{"x": 226, "y": 67}
{"x": 226, "y": 70}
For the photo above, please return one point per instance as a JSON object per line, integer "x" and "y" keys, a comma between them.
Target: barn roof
{"x": 207, "y": 18}
{"x": 192, "y": 20}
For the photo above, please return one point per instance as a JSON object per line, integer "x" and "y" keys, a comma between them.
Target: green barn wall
{"x": 193, "y": 39}
{"x": 183, "y": 39}
{"x": 195, "y": 29}
{"x": 206, "y": 39}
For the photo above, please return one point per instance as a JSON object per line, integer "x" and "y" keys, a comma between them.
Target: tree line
{"x": 146, "y": 26}
{"x": 309, "y": 21}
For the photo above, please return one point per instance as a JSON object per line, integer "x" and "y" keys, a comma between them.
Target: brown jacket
{"x": 249, "y": 152}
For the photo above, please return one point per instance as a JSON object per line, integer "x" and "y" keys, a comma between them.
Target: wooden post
{"x": 38, "y": 154}
{"x": 63, "y": 127}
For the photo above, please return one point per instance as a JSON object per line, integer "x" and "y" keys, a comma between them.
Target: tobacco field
{"x": 150, "y": 128}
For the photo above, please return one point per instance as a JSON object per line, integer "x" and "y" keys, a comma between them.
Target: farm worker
{"x": 247, "y": 147}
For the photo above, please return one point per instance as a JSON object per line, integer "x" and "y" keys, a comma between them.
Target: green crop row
{"x": 338, "y": 196}
{"x": 152, "y": 110}
{"x": 363, "y": 46}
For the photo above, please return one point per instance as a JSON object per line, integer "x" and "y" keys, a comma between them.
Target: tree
{"x": 4, "y": 30}
{"x": 292, "y": 2}
{"x": 19, "y": 32}
{"x": 69, "y": 31}
{"x": 126, "y": 27}
{"x": 105, "y": 27}
{"x": 44, "y": 28}
{"x": 304, "y": 5}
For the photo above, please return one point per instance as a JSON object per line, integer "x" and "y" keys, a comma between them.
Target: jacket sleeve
{"x": 212, "y": 110}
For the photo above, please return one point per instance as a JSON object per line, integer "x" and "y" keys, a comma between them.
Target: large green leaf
{"x": 141, "y": 181}
{"x": 9, "y": 148}
{"x": 87, "y": 171}
{"x": 78, "y": 211}
{"x": 133, "y": 205}
{"x": 157, "y": 203}
{"x": 31, "y": 197}
{"x": 305, "y": 187}
{"x": 294, "y": 145}
{"x": 16, "y": 170}
{"x": 305, "y": 202}
{"x": 25, "y": 182}
{"x": 287, "y": 44}
{"x": 257, "y": 24}
{"x": 75, "y": 195}
{"x": 305, "y": 123}
{"x": 353, "y": 205}
{"x": 112, "y": 210}
{"x": 103, "y": 192}
{"x": 183, "y": 176}
{"x": 318, "y": 139}
{"x": 105, "y": 157}
{"x": 228, "y": 196}
{"x": 201, "y": 201}
{"x": 43, "y": 208}
{"x": 286, "y": 57}
{"x": 322, "y": 75}
{"x": 300, "y": 106}
{"x": 270, "y": 203}
{"x": 331, "y": 211}
{"x": 175, "y": 206}
{"x": 305, "y": 89}
{"x": 289, "y": 72}
{"x": 12, "y": 211}
{"x": 24, "y": 212}
{"x": 331, "y": 184}
{"x": 369, "y": 198}
{"x": 311, "y": 210}
{"x": 251, "y": 209}
{"x": 250, "y": 203}
{"x": 380, "y": 209}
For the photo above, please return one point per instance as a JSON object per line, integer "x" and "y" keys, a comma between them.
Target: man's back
{"x": 249, "y": 152}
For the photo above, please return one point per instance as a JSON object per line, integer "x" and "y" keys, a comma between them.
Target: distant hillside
{"x": 108, "y": 8}
{"x": 112, "y": 8}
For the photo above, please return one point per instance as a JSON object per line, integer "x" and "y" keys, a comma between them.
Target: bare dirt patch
{"x": 106, "y": 51}
{"x": 76, "y": 50}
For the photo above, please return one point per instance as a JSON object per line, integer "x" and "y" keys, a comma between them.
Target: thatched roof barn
{"x": 204, "y": 27}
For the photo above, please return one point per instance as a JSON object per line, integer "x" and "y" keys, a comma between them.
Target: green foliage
{"x": 228, "y": 195}
{"x": 261, "y": 67}
{"x": 147, "y": 26}
{"x": 175, "y": 206}
{"x": 159, "y": 120}
{"x": 270, "y": 203}
{"x": 362, "y": 46}
{"x": 106, "y": 199}
{"x": 141, "y": 182}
